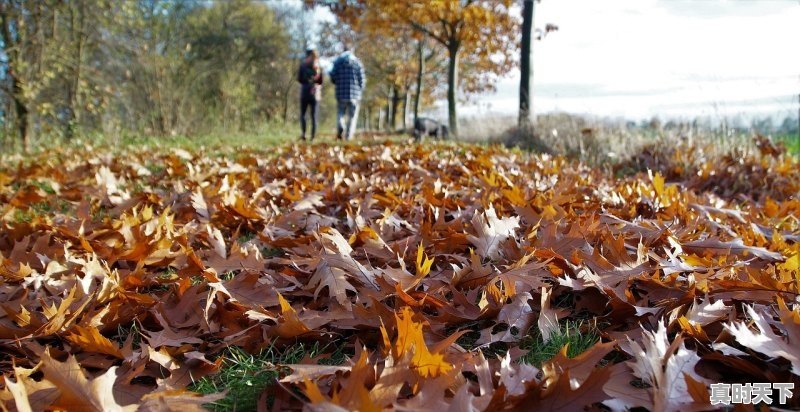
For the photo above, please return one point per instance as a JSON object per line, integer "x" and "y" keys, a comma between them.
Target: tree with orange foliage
{"x": 484, "y": 32}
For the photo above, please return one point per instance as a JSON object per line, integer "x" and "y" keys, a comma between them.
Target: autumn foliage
{"x": 478, "y": 37}
{"x": 124, "y": 275}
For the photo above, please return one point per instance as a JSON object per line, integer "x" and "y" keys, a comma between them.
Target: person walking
{"x": 310, "y": 78}
{"x": 348, "y": 76}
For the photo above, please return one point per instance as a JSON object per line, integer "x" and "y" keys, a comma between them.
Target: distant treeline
{"x": 156, "y": 67}
{"x": 187, "y": 67}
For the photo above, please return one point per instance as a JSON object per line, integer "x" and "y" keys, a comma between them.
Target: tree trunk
{"x": 406, "y": 100}
{"x": 286, "y": 94}
{"x": 394, "y": 106}
{"x": 74, "y": 94}
{"x": 420, "y": 72}
{"x": 21, "y": 113}
{"x": 526, "y": 67}
{"x": 452, "y": 88}
{"x": 11, "y": 45}
{"x": 387, "y": 124}
{"x": 390, "y": 108}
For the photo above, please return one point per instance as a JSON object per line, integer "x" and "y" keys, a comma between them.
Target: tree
{"x": 529, "y": 34}
{"x": 144, "y": 67}
{"x": 240, "y": 53}
{"x": 49, "y": 48}
{"x": 481, "y": 32}
{"x": 19, "y": 22}
{"x": 526, "y": 66}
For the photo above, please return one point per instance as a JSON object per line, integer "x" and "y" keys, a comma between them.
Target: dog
{"x": 425, "y": 126}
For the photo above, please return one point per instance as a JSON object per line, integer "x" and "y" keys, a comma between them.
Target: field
{"x": 395, "y": 275}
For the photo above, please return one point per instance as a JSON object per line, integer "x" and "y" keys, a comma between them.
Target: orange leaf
{"x": 90, "y": 340}
{"x": 290, "y": 325}
{"x": 411, "y": 341}
{"x": 312, "y": 392}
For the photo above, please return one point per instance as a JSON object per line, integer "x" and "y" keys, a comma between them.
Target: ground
{"x": 391, "y": 274}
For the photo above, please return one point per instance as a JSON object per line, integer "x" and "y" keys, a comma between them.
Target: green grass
{"x": 132, "y": 330}
{"x": 267, "y": 135}
{"x": 246, "y": 237}
{"x": 45, "y": 186}
{"x": 792, "y": 143}
{"x": 245, "y": 376}
{"x": 40, "y": 209}
{"x": 213, "y": 144}
{"x": 578, "y": 336}
{"x": 229, "y": 275}
{"x": 269, "y": 252}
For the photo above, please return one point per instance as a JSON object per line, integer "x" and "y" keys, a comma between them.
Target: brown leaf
{"x": 491, "y": 232}
{"x": 77, "y": 392}
{"x": 301, "y": 373}
{"x": 27, "y": 394}
{"x": 179, "y": 400}
{"x": 736, "y": 246}
{"x": 562, "y": 397}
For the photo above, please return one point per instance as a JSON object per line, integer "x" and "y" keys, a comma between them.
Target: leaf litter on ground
{"x": 452, "y": 276}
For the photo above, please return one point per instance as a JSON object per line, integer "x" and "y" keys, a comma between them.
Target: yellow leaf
{"x": 386, "y": 341}
{"x": 658, "y": 186}
{"x": 793, "y": 263}
{"x": 410, "y": 340}
{"x": 515, "y": 196}
{"x": 694, "y": 260}
{"x": 549, "y": 212}
{"x": 423, "y": 263}
{"x": 312, "y": 392}
{"x": 291, "y": 325}
{"x": 367, "y": 405}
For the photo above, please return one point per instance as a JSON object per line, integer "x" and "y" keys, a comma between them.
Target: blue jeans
{"x": 347, "y": 127}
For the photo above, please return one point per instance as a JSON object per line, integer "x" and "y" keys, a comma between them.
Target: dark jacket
{"x": 310, "y": 79}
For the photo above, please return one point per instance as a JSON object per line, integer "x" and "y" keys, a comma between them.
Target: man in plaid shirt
{"x": 348, "y": 76}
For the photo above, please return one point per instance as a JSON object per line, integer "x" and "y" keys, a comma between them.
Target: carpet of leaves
{"x": 124, "y": 275}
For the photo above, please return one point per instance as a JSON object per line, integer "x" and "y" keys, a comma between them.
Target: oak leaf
{"x": 77, "y": 392}
{"x": 765, "y": 340}
{"x": 90, "y": 339}
{"x": 664, "y": 365}
{"x": 491, "y": 232}
{"x": 289, "y": 325}
{"x": 410, "y": 341}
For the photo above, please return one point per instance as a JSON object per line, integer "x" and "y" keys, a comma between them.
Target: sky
{"x": 672, "y": 58}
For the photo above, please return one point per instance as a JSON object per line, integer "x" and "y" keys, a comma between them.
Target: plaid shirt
{"x": 348, "y": 76}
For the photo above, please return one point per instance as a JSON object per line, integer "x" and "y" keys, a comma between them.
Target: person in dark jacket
{"x": 310, "y": 78}
{"x": 348, "y": 76}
